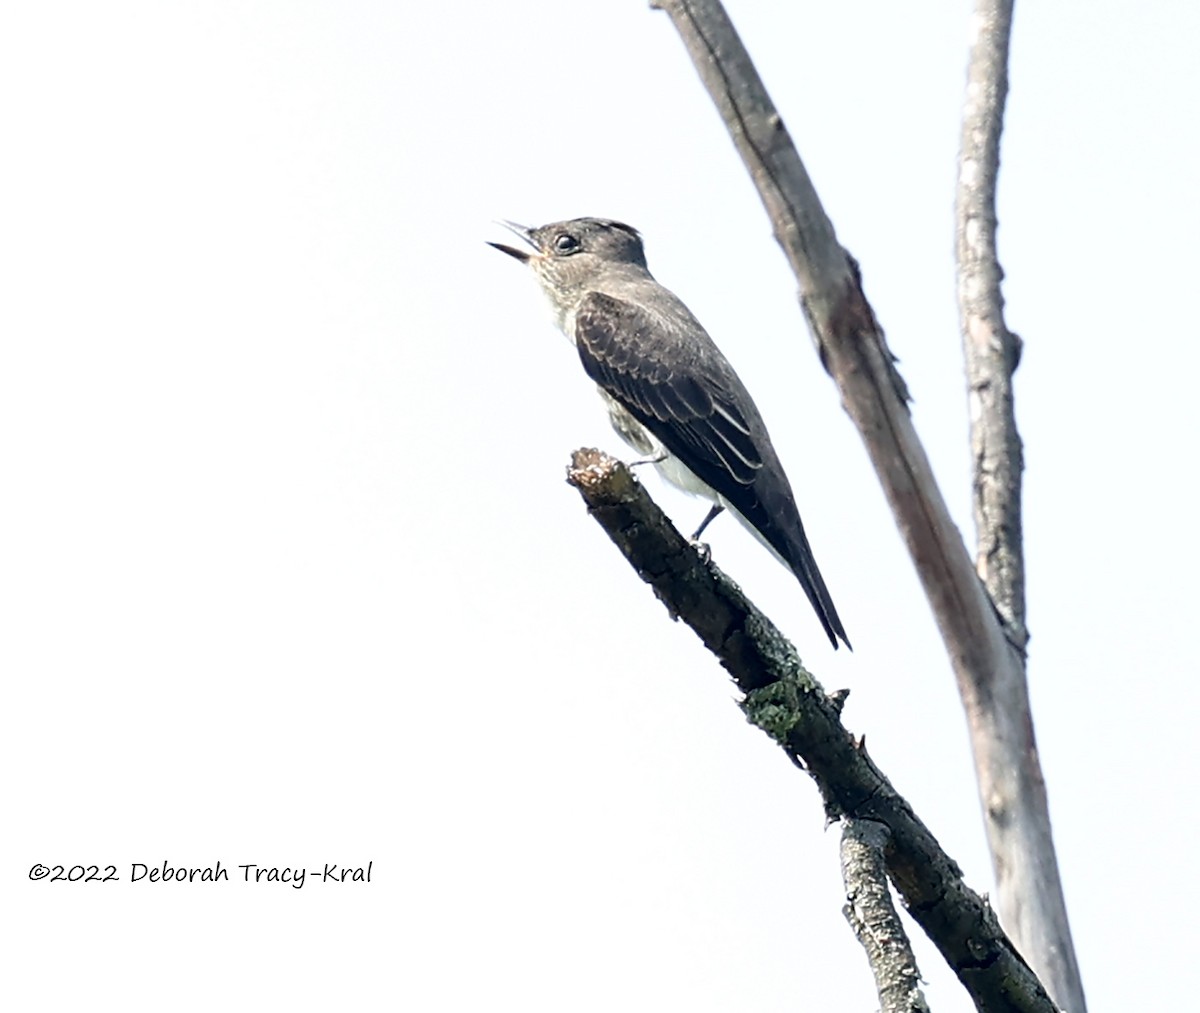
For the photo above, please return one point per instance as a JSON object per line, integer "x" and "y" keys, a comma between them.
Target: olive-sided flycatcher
{"x": 670, "y": 392}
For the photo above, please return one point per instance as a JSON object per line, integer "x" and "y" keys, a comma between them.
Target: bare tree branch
{"x": 849, "y": 340}
{"x": 990, "y": 349}
{"x": 988, "y": 667}
{"x": 784, "y": 700}
{"x": 1016, "y": 811}
{"x": 873, "y": 918}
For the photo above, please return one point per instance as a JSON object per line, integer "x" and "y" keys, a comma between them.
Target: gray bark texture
{"x": 1011, "y": 787}
{"x": 982, "y": 622}
{"x": 873, "y": 918}
{"x": 784, "y": 700}
{"x": 991, "y": 351}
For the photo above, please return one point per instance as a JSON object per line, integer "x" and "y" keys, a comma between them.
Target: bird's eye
{"x": 564, "y": 242}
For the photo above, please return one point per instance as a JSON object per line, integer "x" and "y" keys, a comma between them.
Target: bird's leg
{"x": 652, "y": 459}
{"x": 702, "y": 547}
{"x": 716, "y": 509}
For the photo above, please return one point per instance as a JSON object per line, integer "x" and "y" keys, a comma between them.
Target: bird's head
{"x": 569, "y": 257}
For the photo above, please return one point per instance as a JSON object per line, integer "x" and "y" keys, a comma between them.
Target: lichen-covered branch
{"x": 783, "y": 699}
{"x": 873, "y": 917}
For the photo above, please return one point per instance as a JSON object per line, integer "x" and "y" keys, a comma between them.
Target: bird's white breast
{"x": 673, "y": 470}
{"x": 644, "y": 442}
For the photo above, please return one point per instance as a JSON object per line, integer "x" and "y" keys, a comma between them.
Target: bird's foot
{"x": 703, "y": 550}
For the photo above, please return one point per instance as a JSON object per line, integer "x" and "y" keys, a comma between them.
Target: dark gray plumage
{"x": 669, "y": 390}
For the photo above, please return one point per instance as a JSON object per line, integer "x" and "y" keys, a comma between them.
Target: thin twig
{"x": 1028, "y": 887}
{"x": 990, "y": 349}
{"x": 873, "y": 917}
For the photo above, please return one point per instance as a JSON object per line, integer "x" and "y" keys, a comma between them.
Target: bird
{"x": 670, "y": 392}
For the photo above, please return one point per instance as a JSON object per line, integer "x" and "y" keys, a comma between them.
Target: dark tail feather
{"x": 768, "y": 508}
{"x": 805, "y": 568}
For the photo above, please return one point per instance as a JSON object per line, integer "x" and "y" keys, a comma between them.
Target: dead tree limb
{"x": 1016, "y": 811}
{"x": 988, "y": 667}
{"x": 849, "y": 340}
{"x": 872, "y": 916}
{"x": 991, "y": 351}
{"x": 785, "y": 701}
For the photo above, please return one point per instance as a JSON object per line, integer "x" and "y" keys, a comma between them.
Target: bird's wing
{"x": 688, "y": 397}
{"x": 679, "y": 395}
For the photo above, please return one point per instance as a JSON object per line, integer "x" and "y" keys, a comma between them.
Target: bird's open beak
{"x": 523, "y": 232}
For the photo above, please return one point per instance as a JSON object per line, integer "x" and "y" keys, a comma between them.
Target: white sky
{"x": 291, "y": 575}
